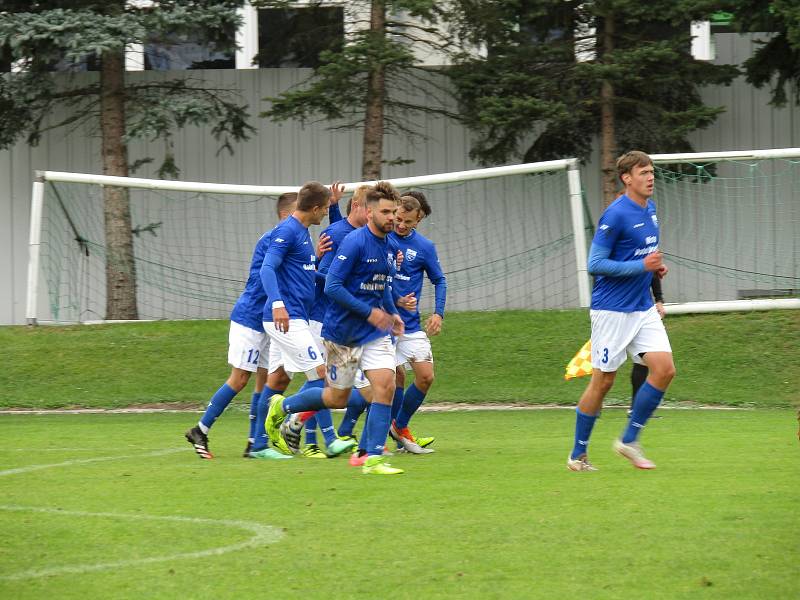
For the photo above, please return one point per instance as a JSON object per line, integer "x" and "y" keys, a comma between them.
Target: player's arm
{"x": 334, "y": 213}
{"x": 658, "y": 295}
{"x": 434, "y": 272}
{"x": 390, "y": 304}
{"x": 599, "y": 263}
{"x": 273, "y": 259}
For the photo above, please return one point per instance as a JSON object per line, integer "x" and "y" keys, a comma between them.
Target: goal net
{"x": 730, "y": 227}
{"x": 508, "y": 238}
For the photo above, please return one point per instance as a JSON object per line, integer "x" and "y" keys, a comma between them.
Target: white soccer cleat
{"x": 634, "y": 453}
{"x": 406, "y": 440}
{"x": 580, "y": 464}
{"x": 290, "y": 430}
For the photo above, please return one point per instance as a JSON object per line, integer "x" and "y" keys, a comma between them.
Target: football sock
{"x": 219, "y": 402}
{"x": 412, "y": 400}
{"x": 377, "y": 428}
{"x": 583, "y": 430}
{"x": 311, "y": 430}
{"x": 638, "y": 377}
{"x": 325, "y": 421}
{"x": 308, "y": 398}
{"x": 397, "y": 401}
{"x": 355, "y": 406}
{"x": 647, "y": 400}
{"x": 260, "y": 440}
{"x": 362, "y": 443}
{"x": 253, "y": 413}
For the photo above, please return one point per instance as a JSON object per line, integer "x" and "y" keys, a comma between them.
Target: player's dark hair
{"x": 311, "y": 195}
{"x": 383, "y": 190}
{"x": 284, "y": 203}
{"x": 634, "y": 158}
{"x": 424, "y": 206}
{"x": 409, "y": 204}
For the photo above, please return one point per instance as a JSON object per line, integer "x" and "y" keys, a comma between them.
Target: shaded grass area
{"x": 739, "y": 359}
{"x": 488, "y": 515}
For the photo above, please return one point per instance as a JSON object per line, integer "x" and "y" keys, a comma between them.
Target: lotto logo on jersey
{"x": 342, "y": 257}
{"x": 410, "y": 254}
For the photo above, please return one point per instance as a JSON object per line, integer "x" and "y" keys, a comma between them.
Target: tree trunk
{"x": 372, "y": 156}
{"x": 120, "y": 268}
{"x": 608, "y": 143}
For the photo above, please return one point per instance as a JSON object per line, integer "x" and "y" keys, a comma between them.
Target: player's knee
{"x": 400, "y": 377}
{"x": 424, "y": 381}
{"x": 335, "y": 398}
{"x": 238, "y": 379}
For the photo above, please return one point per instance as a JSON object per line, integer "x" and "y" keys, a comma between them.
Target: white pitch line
{"x": 262, "y": 534}
{"x": 83, "y": 461}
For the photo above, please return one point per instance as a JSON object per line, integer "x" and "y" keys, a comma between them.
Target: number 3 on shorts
{"x": 605, "y": 356}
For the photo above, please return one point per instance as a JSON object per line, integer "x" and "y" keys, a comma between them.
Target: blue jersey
{"x": 337, "y": 232}
{"x": 630, "y": 232}
{"x": 359, "y": 279}
{"x": 249, "y": 307}
{"x": 289, "y": 269}
{"x": 419, "y": 258}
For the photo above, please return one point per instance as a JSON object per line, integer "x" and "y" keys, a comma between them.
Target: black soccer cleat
{"x": 199, "y": 442}
{"x": 246, "y": 453}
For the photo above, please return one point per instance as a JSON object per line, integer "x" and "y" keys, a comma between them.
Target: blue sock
{"x": 377, "y": 428}
{"x": 325, "y": 420}
{"x": 583, "y": 431}
{"x": 219, "y": 402}
{"x": 260, "y": 440}
{"x": 412, "y": 400}
{"x": 355, "y": 406}
{"x": 362, "y": 443}
{"x": 253, "y": 413}
{"x": 646, "y": 401}
{"x": 311, "y": 431}
{"x": 309, "y": 397}
{"x": 397, "y": 402}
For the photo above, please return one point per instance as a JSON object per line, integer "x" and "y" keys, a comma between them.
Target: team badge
{"x": 655, "y": 220}
{"x": 410, "y": 254}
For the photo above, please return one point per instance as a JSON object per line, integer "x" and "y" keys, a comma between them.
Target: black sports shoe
{"x": 247, "y": 449}
{"x": 199, "y": 441}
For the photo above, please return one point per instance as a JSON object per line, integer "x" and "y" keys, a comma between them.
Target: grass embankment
{"x": 738, "y": 359}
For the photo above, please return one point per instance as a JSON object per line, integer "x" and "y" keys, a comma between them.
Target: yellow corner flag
{"x": 581, "y": 363}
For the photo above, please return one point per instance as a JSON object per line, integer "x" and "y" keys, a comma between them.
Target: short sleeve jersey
{"x": 364, "y": 265}
{"x": 291, "y": 242}
{"x": 249, "y": 307}
{"x": 631, "y": 232}
{"x": 337, "y": 232}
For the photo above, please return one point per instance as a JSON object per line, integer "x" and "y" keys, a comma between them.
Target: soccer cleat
{"x": 405, "y": 438}
{"x": 247, "y": 449}
{"x": 357, "y": 459}
{"x": 275, "y": 418}
{"x": 634, "y": 453}
{"x": 376, "y": 465}
{"x": 424, "y": 442}
{"x": 199, "y": 441}
{"x": 580, "y": 464}
{"x": 339, "y": 446}
{"x": 351, "y": 438}
{"x": 291, "y": 429}
{"x": 313, "y": 451}
{"x": 269, "y": 454}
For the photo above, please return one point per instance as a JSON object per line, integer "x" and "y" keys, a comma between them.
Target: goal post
{"x": 509, "y": 237}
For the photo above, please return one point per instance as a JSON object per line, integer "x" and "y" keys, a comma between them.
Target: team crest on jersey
{"x": 655, "y": 220}
{"x": 411, "y": 254}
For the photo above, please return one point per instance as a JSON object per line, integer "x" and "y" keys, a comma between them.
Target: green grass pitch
{"x": 118, "y": 506}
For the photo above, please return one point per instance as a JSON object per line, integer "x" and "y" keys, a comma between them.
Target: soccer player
{"x": 413, "y": 347}
{"x": 288, "y": 274}
{"x": 639, "y": 371}
{"x": 624, "y": 257}
{"x": 248, "y": 348}
{"x": 356, "y": 331}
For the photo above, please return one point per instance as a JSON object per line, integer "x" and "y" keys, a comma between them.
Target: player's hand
{"x": 380, "y": 319}
{"x": 662, "y": 272}
{"x": 660, "y": 309}
{"x": 654, "y": 261}
{"x": 398, "y": 327}
{"x": 399, "y": 259}
{"x": 408, "y": 302}
{"x": 433, "y": 326}
{"x": 324, "y": 245}
{"x": 280, "y": 317}
{"x": 337, "y": 191}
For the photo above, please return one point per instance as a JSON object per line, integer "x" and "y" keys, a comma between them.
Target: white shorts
{"x": 248, "y": 349}
{"x": 411, "y": 348}
{"x": 615, "y": 333}
{"x": 361, "y": 380}
{"x": 344, "y": 362}
{"x": 295, "y": 350}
